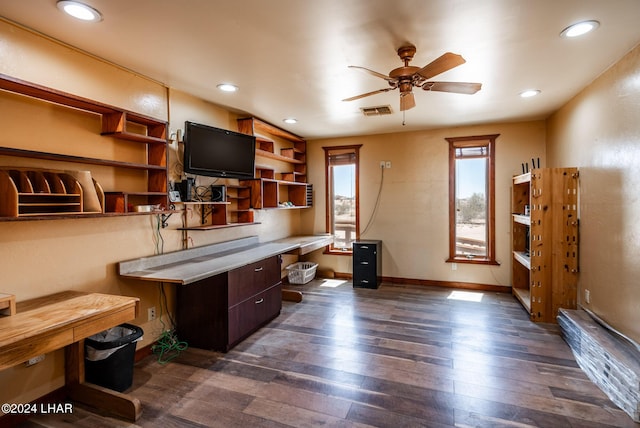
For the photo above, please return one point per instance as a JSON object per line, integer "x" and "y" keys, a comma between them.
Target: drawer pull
{"x": 258, "y": 269}
{"x": 364, "y": 281}
{"x": 364, "y": 247}
{"x": 364, "y": 263}
{"x": 257, "y": 302}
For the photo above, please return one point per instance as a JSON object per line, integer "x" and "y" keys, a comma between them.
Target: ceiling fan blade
{"x": 456, "y": 87}
{"x": 407, "y": 101}
{"x": 374, "y": 73}
{"x": 444, "y": 63}
{"x": 357, "y": 97}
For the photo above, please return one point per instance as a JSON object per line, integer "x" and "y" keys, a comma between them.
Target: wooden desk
{"x": 307, "y": 243}
{"x": 64, "y": 320}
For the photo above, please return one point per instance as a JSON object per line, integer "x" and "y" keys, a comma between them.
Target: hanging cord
{"x": 203, "y": 193}
{"x": 168, "y": 346}
{"x": 377, "y": 204}
{"x": 158, "y": 240}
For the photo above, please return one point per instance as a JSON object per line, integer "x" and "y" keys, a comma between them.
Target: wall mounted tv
{"x": 216, "y": 152}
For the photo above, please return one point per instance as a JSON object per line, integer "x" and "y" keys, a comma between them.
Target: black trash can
{"x": 109, "y": 357}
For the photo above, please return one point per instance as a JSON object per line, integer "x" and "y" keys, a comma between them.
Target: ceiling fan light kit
{"x": 407, "y": 77}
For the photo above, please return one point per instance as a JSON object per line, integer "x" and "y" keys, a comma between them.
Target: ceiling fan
{"x": 406, "y": 77}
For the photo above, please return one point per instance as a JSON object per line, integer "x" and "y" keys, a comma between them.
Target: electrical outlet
{"x": 454, "y": 266}
{"x": 587, "y": 296}
{"x": 381, "y": 164}
{"x": 387, "y": 164}
{"x": 151, "y": 313}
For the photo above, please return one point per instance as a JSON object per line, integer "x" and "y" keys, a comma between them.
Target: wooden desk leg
{"x": 96, "y": 396}
{"x": 291, "y": 295}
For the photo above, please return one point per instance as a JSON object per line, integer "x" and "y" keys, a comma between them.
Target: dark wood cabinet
{"x": 367, "y": 264}
{"x": 220, "y": 311}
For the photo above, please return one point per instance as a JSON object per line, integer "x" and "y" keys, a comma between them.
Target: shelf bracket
{"x": 204, "y": 213}
{"x": 164, "y": 218}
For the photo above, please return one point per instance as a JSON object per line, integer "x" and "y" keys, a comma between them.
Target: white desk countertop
{"x": 188, "y": 266}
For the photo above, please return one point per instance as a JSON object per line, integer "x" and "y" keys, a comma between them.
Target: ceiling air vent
{"x": 376, "y": 111}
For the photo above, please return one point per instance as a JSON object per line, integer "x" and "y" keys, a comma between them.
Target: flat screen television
{"x": 216, "y": 152}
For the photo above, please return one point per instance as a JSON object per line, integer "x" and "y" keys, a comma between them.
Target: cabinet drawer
{"x": 364, "y": 252}
{"x": 365, "y": 278}
{"x": 365, "y": 264}
{"x": 252, "y": 279}
{"x": 253, "y": 313}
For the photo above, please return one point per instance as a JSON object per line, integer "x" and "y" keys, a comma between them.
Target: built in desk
{"x": 64, "y": 320}
{"x": 226, "y": 291}
{"x": 194, "y": 264}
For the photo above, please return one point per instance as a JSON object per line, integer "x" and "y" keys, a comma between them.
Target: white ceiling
{"x": 290, "y": 57}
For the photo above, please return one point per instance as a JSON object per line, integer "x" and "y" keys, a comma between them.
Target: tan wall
{"x": 43, "y": 257}
{"x": 599, "y": 132}
{"x": 413, "y": 217}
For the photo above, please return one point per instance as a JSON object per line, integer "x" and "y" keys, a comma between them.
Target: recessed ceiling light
{"x": 290, "y": 120}
{"x": 579, "y": 29}
{"x": 227, "y": 87}
{"x": 529, "y": 93}
{"x": 79, "y": 10}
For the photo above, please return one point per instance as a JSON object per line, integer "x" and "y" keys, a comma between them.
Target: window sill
{"x": 336, "y": 252}
{"x": 473, "y": 260}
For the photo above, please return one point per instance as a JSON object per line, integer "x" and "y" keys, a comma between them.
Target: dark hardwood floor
{"x": 398, "y": 356}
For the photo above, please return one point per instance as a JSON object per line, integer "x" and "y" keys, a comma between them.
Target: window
{"x": 342, "y": 196}
{"x": 472, "y": 199}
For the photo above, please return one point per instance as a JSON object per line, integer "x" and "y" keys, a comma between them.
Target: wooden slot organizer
{"x": 41, "y": 192}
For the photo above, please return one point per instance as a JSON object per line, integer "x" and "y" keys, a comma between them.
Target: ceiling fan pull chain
{"x": 404, "y": 113}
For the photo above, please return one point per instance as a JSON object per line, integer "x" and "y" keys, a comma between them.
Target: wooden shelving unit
{"x": 545, "y": 242}
{"x": 267, "y": 194}
{"x": 125, "y": 125}
{"x": 220, "y": 215}
{"x": 276, "y": 150}
{"x": 281, "y": 167}
{"x": 240, "y": 211}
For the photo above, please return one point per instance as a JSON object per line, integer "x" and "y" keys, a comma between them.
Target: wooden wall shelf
{"x": 8, "y": 151}
{"x": 267, "y": 193}
{"x": 218, "y": 215}
{"x": 152, "y": 133}
{"x": 266, "y": 154}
